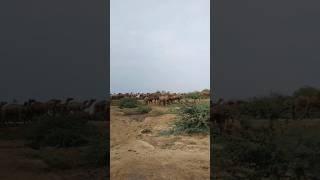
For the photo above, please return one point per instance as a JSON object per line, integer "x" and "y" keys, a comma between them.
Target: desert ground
{"x": 18, "y": 161}
{"x": 138, "y": 151}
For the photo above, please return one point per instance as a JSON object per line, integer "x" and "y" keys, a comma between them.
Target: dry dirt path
{"x": 148, "y": 156}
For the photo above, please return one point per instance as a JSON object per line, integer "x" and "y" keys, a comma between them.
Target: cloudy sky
{"x": 159, "y": 45}
{"x": 264, "y": 46}
{"x": 53, "y": 49}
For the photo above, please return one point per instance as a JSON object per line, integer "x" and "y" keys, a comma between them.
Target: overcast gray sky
{"x": 53, "y": 49}
{"x": 263, "y": 46}
{"x": 159, "y": 45}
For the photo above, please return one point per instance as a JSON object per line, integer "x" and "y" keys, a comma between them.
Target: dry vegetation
{"x": 271, "y": 137}
{"x": 152, "y": 136}
{"x": 54, "y": 140}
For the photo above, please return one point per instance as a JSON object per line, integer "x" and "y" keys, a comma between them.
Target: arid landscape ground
{"x": 53, "y": 140}
{"x": 139, "y": 151}
{"x": 18, "y": 161}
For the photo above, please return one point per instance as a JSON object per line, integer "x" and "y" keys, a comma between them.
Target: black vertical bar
{"x": 211, "y": 85}
{"x": 108, "y": 83}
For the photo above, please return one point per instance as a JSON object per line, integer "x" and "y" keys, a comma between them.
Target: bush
{"x": 143, "y": 109}
{"x": 194, "y": 119}
{"x": 139, "y": 110}
{"x": 128, "y": 103}
{"x": 61, "y": 131}
{"x": 97, "y": 154}
{"x": 306, "y": 91}
{"x": 266, "y": 153}
{"x": 194, "y": 95}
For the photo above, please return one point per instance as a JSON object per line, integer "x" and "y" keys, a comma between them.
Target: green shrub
{"x": 144, "y": 109}
{"x": 194, "y": 95}
{"x": 128, "y": 103}
{"x": 61, "y": 131}
{"x": 96, "y": 155}
{"x": 306, "y": 91}
{"x": 194, "y": 119}
{"x": 269, "y": 154}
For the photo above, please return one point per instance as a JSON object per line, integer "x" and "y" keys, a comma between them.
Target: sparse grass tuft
{"x": 128, "y": 103}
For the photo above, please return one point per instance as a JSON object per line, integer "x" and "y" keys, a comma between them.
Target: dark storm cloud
{"x": 263, "y": 46}
{"x": 53, "y": 49}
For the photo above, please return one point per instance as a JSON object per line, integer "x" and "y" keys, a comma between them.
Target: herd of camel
{"x": 15, "y": 113}
{"x": 161, "y": 98}
{"x": 26, "y": 112}
{"x": 225, "y": 113}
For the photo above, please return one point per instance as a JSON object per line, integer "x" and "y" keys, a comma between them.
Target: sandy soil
{"x": 138, "y": 155}
{"x": 15, "y": 164}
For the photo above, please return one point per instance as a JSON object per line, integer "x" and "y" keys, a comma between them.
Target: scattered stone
{"x": 146, "y": 131}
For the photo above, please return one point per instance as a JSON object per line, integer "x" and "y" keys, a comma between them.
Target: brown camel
{"x": 103, "y": 108}
{"x": 304, "y": 105}
{"x": 88, "y": 104}
{"x": 205, "y": 93}
{"x": 37, "y": 108}
{"x": 62, "y": 108}
{"x": 74, "y": 107}
{"x": 220, "y": 115}
{"x": 100, "y": 106}
{"x": 53, "y": 105}
{"x": 164, "y": 100}
{"x": 13, "y": 112}
{"x": 1, "y": 105}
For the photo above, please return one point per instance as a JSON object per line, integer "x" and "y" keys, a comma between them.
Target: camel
{"x": 15, "y": 112}
{"x": 150, "y": 99}
{"x": 205, "y": 93}
{"x": 88, "y": 104}
{"x": 100, "y": 106}
{"x": 104, "y": 108}
{"x": 164, "y": 99}
{"x": 62, "y": 107}
{"x": 118, "y": 96}
{"x": 304, "y": 104}
{"x": 37, "y": 108}
{"x": 1, "y": 105}
{"x": 175, "y": 98}
{"x": 53, "y": 105}
{"x": 78, "y": 106}
{"x": 147, "y": 100}
{"x": 220, "y": 115}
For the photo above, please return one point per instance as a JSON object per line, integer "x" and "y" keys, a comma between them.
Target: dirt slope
{"x": 139, "y": 156}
